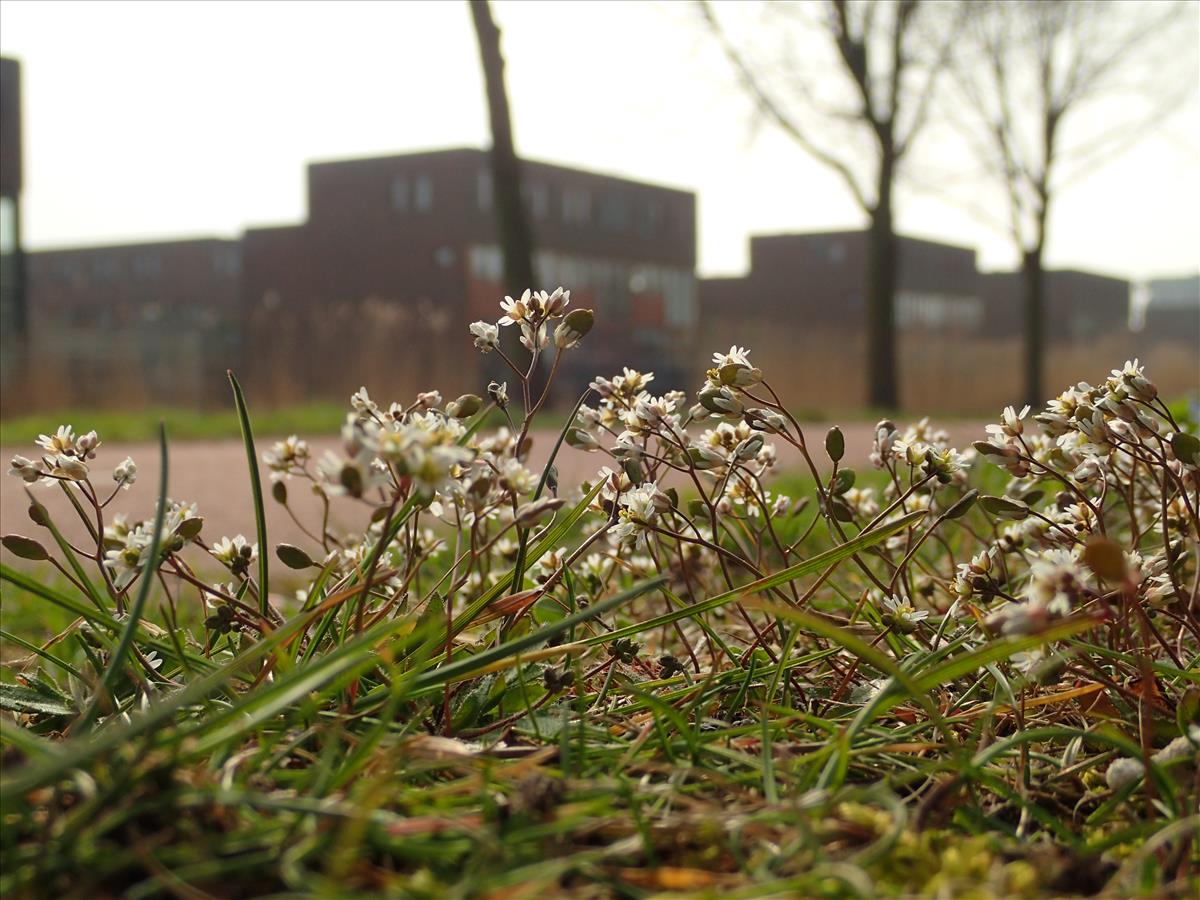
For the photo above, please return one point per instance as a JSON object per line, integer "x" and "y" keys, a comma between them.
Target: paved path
{"x": 213, "y": 475}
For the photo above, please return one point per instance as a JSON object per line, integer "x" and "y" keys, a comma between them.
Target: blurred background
{"x": 932, "y": 206}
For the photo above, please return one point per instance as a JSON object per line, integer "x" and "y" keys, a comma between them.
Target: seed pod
{"x": 464, "y": 407}
{"x": 189, "y": 528}
{"x": 1106, "y": 558}
{"x": 1004, "y": 508}
{"x": 963, "y": 505}
{"x": 835, "y": 444}
{"x": 25, "y": 548}
{"x": 279, "y": 492}
{"x": 532, "y": 513}
{"x": 293, "y": 557}
{"x": 1186, "y": 448}
{"x": 37, "y": 514}
{"x": 844, "y": 481}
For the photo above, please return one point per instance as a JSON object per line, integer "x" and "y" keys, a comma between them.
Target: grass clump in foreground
{"x": 979, "y": 680}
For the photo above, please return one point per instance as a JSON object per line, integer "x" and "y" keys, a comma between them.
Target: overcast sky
{"x": 159, "y": 120}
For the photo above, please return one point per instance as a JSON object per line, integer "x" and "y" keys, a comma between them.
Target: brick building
{"x": 155, "y": 323}
{"x": 1080, "y": 306}
{"x": 802, "y": 309}
{"x": 820, "y": 279}
{"x": 399, "y": 254}
{"x": 1172, "y": 312}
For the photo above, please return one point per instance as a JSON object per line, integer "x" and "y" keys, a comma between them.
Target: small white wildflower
{"x": 736, "y": 356}
{"x": 70, "y": 468}
{"x": 125, "y": 474}
{"x": 487, "y": 335}
{"x": 515, "y": 310}
{"x": 25, "y": 469}
{"x": 62, "y": 441}
{"x": 361, "y": 401}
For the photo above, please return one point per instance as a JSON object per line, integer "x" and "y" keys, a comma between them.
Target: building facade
{"x": 377, "y": 287}
{"x": 404, "y": 250}
{"x": 136, "y": 324}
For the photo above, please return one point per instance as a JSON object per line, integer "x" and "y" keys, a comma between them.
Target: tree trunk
{"x": 1034, "y": 281}
{"x": 516, "y": 242}
{"x": 882, "y": 262}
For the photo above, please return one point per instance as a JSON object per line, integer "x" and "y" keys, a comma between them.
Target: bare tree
{"x": 1025, "y": 71}
{"x": 516, "y": 240}
{"x": 887, "y": 61}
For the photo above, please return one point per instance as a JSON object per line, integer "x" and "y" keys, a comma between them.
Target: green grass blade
{"x": 466, "y": 665}
{"x": 807, "y": 567}
{"x": 260, "y": 514}
{"x": 139, "y": 603}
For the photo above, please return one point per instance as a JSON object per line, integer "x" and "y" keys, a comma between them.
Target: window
{"x": 614, "y": 214}
{"x": 400, "y": 193}
{"x": 423, "y": 193}
{"x": 486, "y": 263}
{"x": 104, "y": 268}
{"x": 226, "y": 261}
{"x": 837, "y": 252}
{"x": 576, "y": 206}
{"x": 653, "y": 219}
{"x": 483, "y": 189}
{"x": 537, "y": 199}
{"x": 147, "y": 265}
{"x": 444, "y": 257}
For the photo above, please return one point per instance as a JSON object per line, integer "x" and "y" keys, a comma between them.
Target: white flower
{"x": 1055, "y": 581}
{"x": 487, "y": 335}
{"x": 517, "y": 478}
{"x": 1011, "y": 423}
{"x": 70, "y": 468}
{"x": 361, "y": 401}
{"x": 736, "y": 356}
{"x": 353, "y": 475}
{"x": 515, "y": 310}
{"x": 86, "y": 445}
{"x": 535, "y": 338}
{"x": 901, "y": 610}
{"x": 62, "y": 441}
{"x": 25, "y": 469}
{"x": 227, "y": 548}
{"x": 287, "y": 455}
{"x": 125, "y": 474}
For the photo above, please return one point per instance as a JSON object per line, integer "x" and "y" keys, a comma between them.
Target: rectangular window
{"x": 147, "y": 265}
{"x": 483, "y": 190}
{"x": 576, "y": 206}
{"x": 537, "y": 199}
{"x": 400, "y": 193}
{"x": 614, "y": 214}
{"x": 227, "y": 261}
{"x": 423, "y": 193}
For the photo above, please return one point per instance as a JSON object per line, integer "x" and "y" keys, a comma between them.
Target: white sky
{"x": 157, "y": 120}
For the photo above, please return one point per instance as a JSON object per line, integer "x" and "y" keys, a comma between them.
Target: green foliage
{"x": 676, "y": 681}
